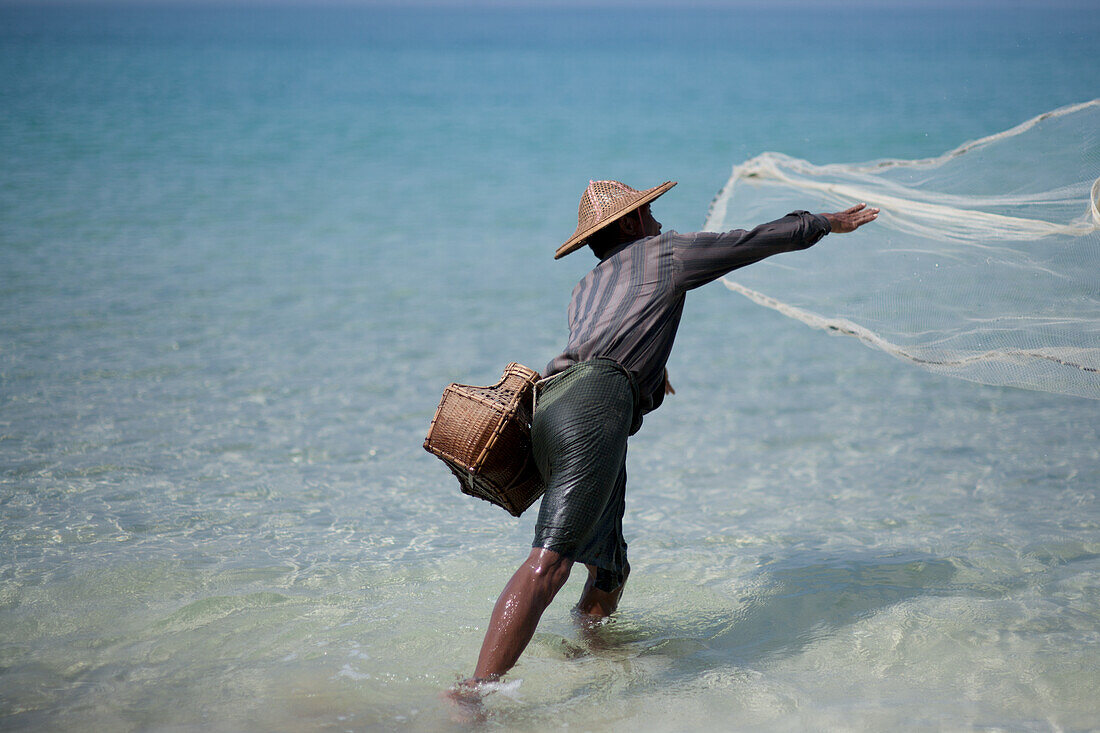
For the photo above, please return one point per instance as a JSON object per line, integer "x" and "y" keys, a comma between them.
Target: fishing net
{"x": 984, "y": 263}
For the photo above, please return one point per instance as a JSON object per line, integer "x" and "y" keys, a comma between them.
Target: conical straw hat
{"x": 604, "y": 202}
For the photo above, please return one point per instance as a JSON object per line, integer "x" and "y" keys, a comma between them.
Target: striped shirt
{"x": 628, "y": 307}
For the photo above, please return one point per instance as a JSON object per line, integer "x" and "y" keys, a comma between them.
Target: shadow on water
{"x": 805, "y": 601}
{"x": 788, "y": 604}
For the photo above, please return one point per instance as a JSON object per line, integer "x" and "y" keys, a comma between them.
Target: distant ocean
{"x": 243, "y": 249}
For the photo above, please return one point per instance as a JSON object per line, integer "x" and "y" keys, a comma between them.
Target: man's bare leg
{"x": 511, "y": 626}
{"x": 600, "y": 603}
{"x": 518, "y": 610}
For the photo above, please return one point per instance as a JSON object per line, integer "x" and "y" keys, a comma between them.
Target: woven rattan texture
{"x": 483, "y": 434}
{"x": 602, "y": 203}
{"x": 603, "y": 200}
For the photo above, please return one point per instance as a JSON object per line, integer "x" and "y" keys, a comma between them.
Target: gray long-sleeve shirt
{"x": 628, "y": 307}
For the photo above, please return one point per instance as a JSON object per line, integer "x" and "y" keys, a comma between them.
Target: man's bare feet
{"x": 465, "y": 698}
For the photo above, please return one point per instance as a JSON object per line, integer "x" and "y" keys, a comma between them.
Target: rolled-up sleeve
{"x": 705, "y": 256}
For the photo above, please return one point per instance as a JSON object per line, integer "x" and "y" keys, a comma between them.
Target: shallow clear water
{"x": 243, "y": 251}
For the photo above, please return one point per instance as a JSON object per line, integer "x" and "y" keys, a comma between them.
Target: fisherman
{"x": 622, "y": 321}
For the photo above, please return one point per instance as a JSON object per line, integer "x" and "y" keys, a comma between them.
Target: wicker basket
{"x": 483, "y": 434}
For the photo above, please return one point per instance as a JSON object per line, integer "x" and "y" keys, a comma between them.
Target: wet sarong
{"x": 582, "y": 419}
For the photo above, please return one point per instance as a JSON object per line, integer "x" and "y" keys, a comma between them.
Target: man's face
{"x": 644, "y": 223}
{"x": 652, "y": 226}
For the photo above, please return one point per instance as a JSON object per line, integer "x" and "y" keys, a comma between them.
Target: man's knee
{"x": 549, "y": 569}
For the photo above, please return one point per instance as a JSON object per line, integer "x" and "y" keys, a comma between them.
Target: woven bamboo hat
{"x": 604, "y": 202}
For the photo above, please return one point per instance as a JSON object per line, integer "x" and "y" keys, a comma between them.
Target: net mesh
{"x": 984, "y": 263}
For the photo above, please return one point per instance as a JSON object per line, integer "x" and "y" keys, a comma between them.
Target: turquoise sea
{"x": 243, "y": 249}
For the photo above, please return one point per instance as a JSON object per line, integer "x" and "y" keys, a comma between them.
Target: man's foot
{"x": 465, "y": 698}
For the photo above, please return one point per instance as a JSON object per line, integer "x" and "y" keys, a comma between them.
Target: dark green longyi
{"x": 582, "y": 420}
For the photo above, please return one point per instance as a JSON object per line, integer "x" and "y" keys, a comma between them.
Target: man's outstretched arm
{"x": 706, "y": 256}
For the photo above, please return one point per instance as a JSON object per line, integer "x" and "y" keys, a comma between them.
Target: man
{"x": 622, "y": 321}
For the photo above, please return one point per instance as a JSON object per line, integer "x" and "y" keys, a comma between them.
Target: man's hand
{"x": 851, "y": 219}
